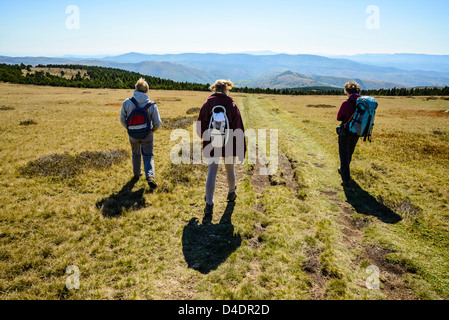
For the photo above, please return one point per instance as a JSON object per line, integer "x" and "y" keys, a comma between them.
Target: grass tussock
{"x": 180, "y": 122}
{"x": 323, "y": 106}
{"x": 67, "y": 165}
{"x": 421, "y": 147}
{"x": 6, "y": 108}
{"x": 185, "y": 174}
{"x": 405, "y": 208}
{"x": 195, "y": 110}
{"x": 168, "y": 99}
{"x": 28, "y": 123}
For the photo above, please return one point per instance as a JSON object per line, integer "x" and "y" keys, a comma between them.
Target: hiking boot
{"x": 232, "y": 196}
{"x": 208, "y": 210}
{"x": 152, "y": 183}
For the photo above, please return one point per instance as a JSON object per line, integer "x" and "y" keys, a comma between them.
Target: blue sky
{"x": 107, "y": 27}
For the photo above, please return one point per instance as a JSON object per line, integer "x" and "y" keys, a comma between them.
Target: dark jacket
{"x": 234, "y": 117}
{"x": 347, "y": 108}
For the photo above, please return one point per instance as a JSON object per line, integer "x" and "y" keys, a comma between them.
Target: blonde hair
{"x": 142, "y": 85}
{"x": 221, "y": 86}
{"x": 352, "y": 87}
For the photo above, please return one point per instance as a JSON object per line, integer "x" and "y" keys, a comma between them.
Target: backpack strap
{"x": 218, "y": 107}
{"x": 355, "y": 108}
{"x": 134, "y": 101}
{"x": 148, "y": 105}
{"x": 350, "y": 119}
{"x": 366, "y": 134}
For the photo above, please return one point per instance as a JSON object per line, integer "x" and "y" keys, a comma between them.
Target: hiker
{"x": 221, "y": 108}
{"x": 140, "y": 130}
{"x": 348, "y": 141}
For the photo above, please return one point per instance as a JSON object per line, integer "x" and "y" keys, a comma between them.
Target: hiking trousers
{"x": 346, "y": 147}
{"x": 143, "y": 148}
{"x": 212, "y": 175}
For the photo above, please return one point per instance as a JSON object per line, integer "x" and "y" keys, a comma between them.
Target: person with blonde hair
{"x": 230, "y": 150}
{"x": 347, "y": 141}
{"x": 141, "y": 143}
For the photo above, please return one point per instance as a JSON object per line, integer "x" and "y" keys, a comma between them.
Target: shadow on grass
{"x": 125, "y": 199}
{"x": 206, "y": 246}
{"x": 366, "y": 204}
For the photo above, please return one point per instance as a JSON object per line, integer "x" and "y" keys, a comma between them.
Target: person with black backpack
{"x": 140, "y": 116}
{"x": 347, "y": 140}
{"x": 220, "y": 126}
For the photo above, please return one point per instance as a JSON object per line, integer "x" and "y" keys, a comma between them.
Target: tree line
{"x": 96, "y": 77}
{"x": 113, "y": 78}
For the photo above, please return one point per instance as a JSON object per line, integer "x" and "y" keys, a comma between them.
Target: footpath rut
{"x": 306, "y": 168}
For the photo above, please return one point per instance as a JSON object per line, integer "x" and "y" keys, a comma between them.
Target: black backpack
{"x": 138, "y": 122}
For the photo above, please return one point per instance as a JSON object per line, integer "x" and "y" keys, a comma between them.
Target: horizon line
{"x": 253, "y": 53}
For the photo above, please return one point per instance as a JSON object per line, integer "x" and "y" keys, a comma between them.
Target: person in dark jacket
{"x": 348, "y": 142}
{"x": 235, "y": 148}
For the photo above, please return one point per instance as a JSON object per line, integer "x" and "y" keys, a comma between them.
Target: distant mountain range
{"x": 160, "y": 69}
{"x": 406, "y": 61}
{"x": 289, "y": 79}
{"x": 274, "y": 70}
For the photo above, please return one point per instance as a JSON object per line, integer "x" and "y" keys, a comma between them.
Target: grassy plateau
{"x": 68, "y": 199}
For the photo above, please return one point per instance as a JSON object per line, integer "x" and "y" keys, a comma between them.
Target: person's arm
{"x": 343, "y": 112}
{"x": 156, "y": 118}
{"x": 237, "y": 121}
{"x": 237, "y": 124}
{"x": 123, "y": 114}
{"x": 202, "y": 124}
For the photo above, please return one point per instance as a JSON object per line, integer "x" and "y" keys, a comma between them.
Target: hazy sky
{"x": 108, "y": 27}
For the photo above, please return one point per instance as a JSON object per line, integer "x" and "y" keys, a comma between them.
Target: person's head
{"x": 352, "y": 87}
{"x": 142, "y": 86}
{"x": 222, "y": 86}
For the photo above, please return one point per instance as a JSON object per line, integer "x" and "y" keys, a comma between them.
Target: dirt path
{"x": 324, "y": 193}
{"x": 310, "y": 173}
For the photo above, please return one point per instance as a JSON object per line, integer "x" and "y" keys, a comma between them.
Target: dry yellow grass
{"x": 295, "y": 235}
